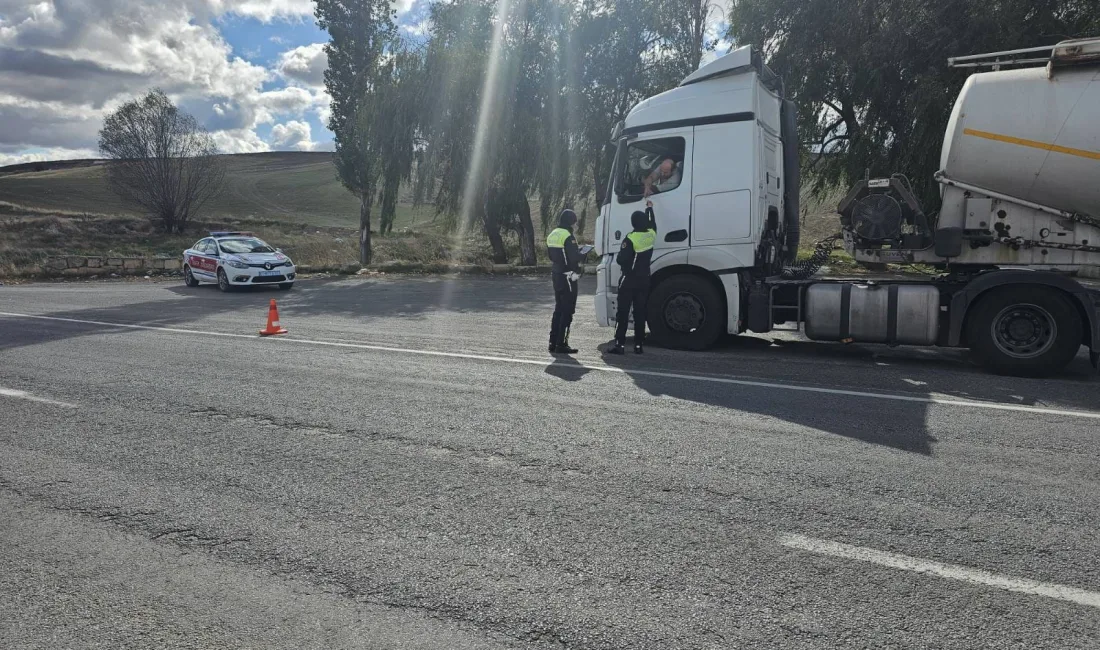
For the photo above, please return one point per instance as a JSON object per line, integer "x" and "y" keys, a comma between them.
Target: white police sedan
{"x": 236, "y": 259}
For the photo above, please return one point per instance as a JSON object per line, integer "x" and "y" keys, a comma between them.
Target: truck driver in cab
{"x": 664, "y": 177}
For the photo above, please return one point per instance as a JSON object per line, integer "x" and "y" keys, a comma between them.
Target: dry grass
{"x": 28, "y": 236}
{"x": 819, "y": 216}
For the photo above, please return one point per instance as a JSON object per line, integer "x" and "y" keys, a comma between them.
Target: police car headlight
{"x": 237, "y": 265}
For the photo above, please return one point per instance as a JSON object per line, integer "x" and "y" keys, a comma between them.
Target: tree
{"x": 870, "y": 78}
{"x": 620, "y": 56}
{"x": 686, "y": 31}
{"x": 163, "y": 161}
{"x": 401, "y": 92}
{"x": 481, "y": 132}
{"x": 524, "y": 97}
{"x": 360, "y": 31}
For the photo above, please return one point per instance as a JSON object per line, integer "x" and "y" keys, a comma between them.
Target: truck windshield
{"x": 619, "y": 153}
{"x": 244, "y": 246}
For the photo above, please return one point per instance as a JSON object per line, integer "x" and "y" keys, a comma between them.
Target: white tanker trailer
{"x": 1020, "y": 216}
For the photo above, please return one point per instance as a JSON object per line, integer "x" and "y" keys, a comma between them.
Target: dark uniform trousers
{"x": 631, "y": 294}
{"x": 565, "y": 305}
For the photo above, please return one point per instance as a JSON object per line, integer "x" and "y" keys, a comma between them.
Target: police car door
{"x": 671, "y": 202}
{"x": 202, "y": 261}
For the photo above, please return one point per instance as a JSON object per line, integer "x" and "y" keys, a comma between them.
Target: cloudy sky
{"x": 250, "y": 70}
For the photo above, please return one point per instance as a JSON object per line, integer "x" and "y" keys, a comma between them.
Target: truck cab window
{"x": 656, "y": 164}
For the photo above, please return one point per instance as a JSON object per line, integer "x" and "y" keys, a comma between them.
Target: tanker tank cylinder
{"x": 1030, "y": 133}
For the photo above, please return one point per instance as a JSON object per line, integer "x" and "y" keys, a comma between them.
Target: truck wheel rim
{"x": 1024, "y": 331}
{"x": 684, "y": 313}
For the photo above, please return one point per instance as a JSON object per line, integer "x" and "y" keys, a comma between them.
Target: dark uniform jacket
{"x": 565, "y": 256}
{"x": 636, "y": 253}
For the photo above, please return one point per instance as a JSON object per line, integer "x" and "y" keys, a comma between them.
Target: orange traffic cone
{"x": 273, "y": 326}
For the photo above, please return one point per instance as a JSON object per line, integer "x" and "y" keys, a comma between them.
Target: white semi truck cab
{"x": 1019, "y": 220}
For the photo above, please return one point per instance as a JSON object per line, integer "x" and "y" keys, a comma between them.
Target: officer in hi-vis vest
{"x": 634, "y": 261}
{"x": 566, "y": 259}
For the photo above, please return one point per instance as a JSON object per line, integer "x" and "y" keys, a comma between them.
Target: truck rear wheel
{"x": 686, "y": 312}
{"x": 1024, "y": 331}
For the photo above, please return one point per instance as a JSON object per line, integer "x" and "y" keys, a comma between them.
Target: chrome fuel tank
{"x": 873, "y": 313}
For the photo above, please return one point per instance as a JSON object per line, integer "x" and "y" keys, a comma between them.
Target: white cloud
{"x": 56, "y": 153}
{"x": 239, "y": 141}
{"x": 305, "y": 64}
{"x": 286, "y": 100}
{"x": 293, "y": 135}
{"x": 324, "y": 108}
{"x": 418, "y": 29}
{"x": 65, "y": 63}
{"x": 28, "y": 123}
{"x": 265, "y": 10}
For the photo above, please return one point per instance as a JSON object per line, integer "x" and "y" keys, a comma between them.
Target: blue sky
{"x": 263, "y": 43}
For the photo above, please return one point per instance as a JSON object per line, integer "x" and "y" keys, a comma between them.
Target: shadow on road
{"x": 363, "y": 300}
{"x": 916, "y": 372}
{"x": 567, "y": 368}
{"x": 924, "y": 374}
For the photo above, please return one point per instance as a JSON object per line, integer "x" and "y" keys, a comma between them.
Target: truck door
{"x": 725, "y": 178}
{"x": 663, "y": 157}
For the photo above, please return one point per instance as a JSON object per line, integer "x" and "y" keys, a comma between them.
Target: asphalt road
{"x": 408, "y": 469}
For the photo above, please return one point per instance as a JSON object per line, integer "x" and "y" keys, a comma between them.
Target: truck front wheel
{"x": 1024, "y": 331}
{"x": 686, "y": 312}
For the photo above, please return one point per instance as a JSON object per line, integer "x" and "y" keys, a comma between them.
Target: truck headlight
{"x": 237, "y": 264}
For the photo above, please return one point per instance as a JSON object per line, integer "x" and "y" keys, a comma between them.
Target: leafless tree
{"x": 162, "y": 160}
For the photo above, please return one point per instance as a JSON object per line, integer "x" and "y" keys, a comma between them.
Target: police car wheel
{"x": 223, "y": 281}
{"x": 286, "y": 286}
{"x": 189, "y": 278}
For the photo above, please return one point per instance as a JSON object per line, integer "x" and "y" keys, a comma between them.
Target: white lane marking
{"x": 939, "y": 569}
{"x": 920, "y": 399}
{"x": 22, "y": 394}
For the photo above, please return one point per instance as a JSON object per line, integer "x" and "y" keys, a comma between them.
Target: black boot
{"x": 563, "y": 347}
{"x": 552, "y": 348}
{"x": 638, "y": 348}
{"x": 615, "y": 347}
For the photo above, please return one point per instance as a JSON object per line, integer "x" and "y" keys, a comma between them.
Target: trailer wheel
{"x": 686, "y": 312}
{"x": 1024, "y": 331}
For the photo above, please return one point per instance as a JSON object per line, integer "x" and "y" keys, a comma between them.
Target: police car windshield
{"x": 244, "y": 246}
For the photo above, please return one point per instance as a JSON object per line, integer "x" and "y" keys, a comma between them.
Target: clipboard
{"x": 586, "y": 249}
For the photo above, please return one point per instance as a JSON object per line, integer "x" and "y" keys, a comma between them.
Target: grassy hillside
{"x": 291, "y": 199}
{"x": 284, "y": 186}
